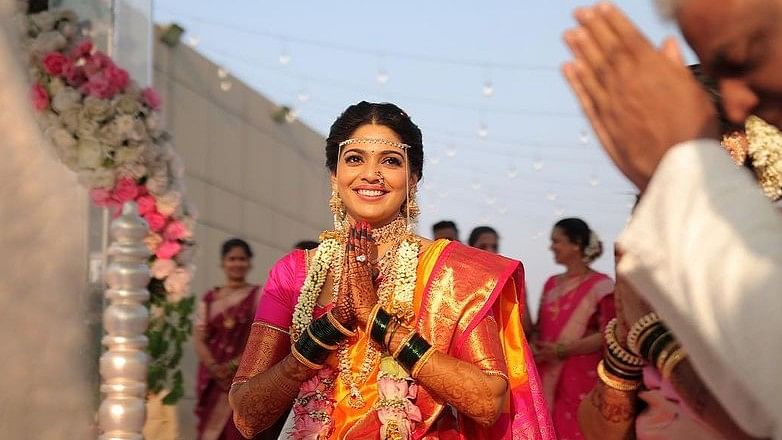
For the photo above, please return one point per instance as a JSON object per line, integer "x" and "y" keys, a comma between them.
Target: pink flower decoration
{"x": 101, "y": 196}
{"x": 162, "y": 268}
{"x": 155, "y": 220}
{"x": 146, "y": 204}
{"x": 168, "y": 249}
{"x": 39, "y": 97}
{"x": 74, "y": 75}
{"x": 118, "y": 77}
{"x": 175, "y": 231}
{"x": 83, "y": 48}
{"x": 98, "y": 85}
{"x": 151, "y": 98}
{"x": 96, "y": 63}
{"x": 54, "y": 63}
{"x": 125, "y": 190}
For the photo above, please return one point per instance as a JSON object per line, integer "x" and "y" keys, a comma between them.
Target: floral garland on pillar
{"x": 109, "y": 131}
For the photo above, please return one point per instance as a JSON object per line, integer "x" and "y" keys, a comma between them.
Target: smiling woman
{"x": 379, "y": 331}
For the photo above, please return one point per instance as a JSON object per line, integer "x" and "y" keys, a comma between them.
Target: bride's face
{"x": 371, "y": 177}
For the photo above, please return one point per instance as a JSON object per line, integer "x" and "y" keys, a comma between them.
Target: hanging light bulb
{"x": 559, "y": 212}
{"x": 450, "y": 151}
{"x": 193, "y": 41}
{"x": 583, "y": 137}
{"x": 225, "y": 85}
{"x": 513, "y": 172}
{"x": 551, "y": 196}
{"x": 222, "y": 72}
{"x": 382, "y": 77}
{"x": 594, "y": 180}
{"x": 285, "y": 57}
{"x": 488, "y": 88}
{"x": 537, "y": 164}
{"x": 483, "y": 130}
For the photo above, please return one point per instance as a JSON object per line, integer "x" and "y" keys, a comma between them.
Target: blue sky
{"x": 517, "y": 160}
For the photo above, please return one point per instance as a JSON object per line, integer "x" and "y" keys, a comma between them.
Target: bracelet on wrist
{"x": 561, "y": 351}
{"x": 307, "y": 348}
{"x": 638, "y": 328}
{"x": 671, "y": 362}
{"x": 647, "y": 339}
{"x": 616, "y": 350}
{"x": 325, "y": 332}
{"x": 377, "y": 325}
{"x": 412, "y": 351}
{"x": 338, "y": 325}
{"x": 613, "y": 381}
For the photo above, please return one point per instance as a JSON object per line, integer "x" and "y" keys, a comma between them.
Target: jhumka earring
{"x": 337, "y": 208}
{"x": 411, "y": 209}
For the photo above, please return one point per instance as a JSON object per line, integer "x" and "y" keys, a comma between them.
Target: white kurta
{"x": 704, "y": 247}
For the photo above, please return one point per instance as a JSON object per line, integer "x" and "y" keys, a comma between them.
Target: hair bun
{"x": 594, "y": 249}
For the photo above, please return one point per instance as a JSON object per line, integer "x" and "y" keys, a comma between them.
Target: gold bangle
{"x": 671, "y": 362}
{"x": 402, "y": 344}
{"x": 664, "y": 353}
{"x": 638, "y": 328}
{"x": 319, "y": 342}
{"x": 421, "y": 362}
{"x": 341, "y": 328}
{"x": 615, "y": 382}
{"x": 371, "y": 320}
{"x": 616, "y": 349}
{"x": 306, "y": 362}
{"x": 617, "y": 365}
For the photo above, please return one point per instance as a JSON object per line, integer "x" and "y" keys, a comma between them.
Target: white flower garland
{"x": 316, "y": 277}
{"x": 397, "y": 292}
{"x": 765, "y": 151}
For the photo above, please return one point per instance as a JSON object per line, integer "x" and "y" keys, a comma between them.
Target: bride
{"x": 379, "y": 333}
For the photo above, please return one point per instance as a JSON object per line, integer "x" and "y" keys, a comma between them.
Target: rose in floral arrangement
{"x": 109, "y": 130}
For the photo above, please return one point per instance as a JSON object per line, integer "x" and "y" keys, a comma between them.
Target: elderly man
{"x": 704, "y": 246}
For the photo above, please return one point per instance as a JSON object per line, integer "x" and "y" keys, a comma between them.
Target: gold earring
{"x": 411, "y": 207}
{"x": 337, "y": 208}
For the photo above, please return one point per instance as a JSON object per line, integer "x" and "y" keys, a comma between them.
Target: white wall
{"x": 248, "y": 176}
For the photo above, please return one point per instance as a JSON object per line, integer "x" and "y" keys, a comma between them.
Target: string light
{"x": 483, "y": 130}
{"x": 502, "y": 210}
{"x": 491, "y": 200}
{"x": 382, "y": 77}
{"x": 193, "y": 41}
{"x": 583, "y": 137}
{"x": 434, "y": 160}
{"x": 222, "y": 72}
{"x": 594, "y": 180}
{"x": 284, "y": 58}
{"x": 559, "y": 212}
{"x": 488, "y": 88}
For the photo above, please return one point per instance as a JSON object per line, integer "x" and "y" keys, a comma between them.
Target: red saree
{"x": 226, "y": 330}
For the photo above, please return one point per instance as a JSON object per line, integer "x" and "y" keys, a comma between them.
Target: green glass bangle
{"x": 380, "y": 326}
{"x": 311, "y": 350}
{"x": 324, "y": 330}
{"x": 649, "y": 337}
{"x": 412, "y": 352}
{"x": 614, "y": 370}
{"x": 658, "y": 345}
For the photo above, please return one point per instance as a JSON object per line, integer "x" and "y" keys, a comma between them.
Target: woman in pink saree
{"x": 574, "y": 307}
{"x": 380, "y": 333}
{"x": 222, "y": 325}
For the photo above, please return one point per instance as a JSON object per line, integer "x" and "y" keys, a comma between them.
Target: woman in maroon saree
{"x": 222, "y": 326}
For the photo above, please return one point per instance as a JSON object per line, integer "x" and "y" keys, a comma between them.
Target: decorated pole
{"x": 123, "y": 367}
